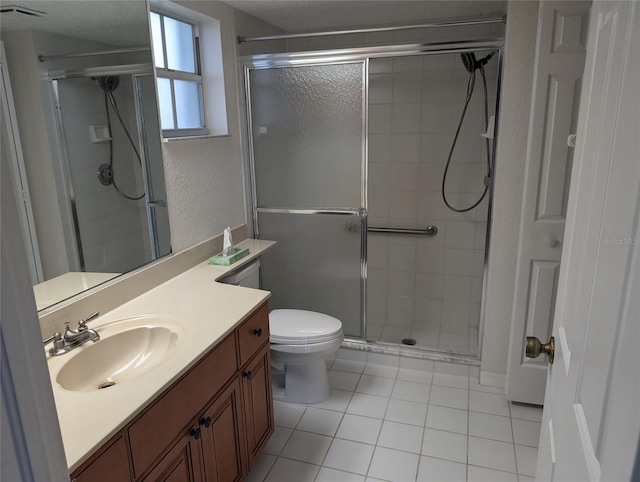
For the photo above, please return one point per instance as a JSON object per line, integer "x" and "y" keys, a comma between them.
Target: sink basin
{"x": 126, "y": 349}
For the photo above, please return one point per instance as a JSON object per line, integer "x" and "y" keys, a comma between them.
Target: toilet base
{"x": 303, "y": 382}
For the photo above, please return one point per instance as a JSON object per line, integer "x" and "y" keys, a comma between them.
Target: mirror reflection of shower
{"x": 117, "y": 219}
{"x": 472, "y": 65}
{"x": 106, "y": 172}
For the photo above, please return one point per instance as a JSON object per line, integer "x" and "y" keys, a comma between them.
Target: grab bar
{"x": 430, "y": 230}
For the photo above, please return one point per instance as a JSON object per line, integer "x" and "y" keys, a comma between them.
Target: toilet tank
{"x": 247, "y": 276}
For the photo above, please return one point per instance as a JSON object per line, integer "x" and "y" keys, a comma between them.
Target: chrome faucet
{"x": 73, "y": 338}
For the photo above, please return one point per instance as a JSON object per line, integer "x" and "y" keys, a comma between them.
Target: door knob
{"x": 534, "y": 347}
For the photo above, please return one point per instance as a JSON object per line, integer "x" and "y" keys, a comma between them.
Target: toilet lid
{"x": 299, "y": 327}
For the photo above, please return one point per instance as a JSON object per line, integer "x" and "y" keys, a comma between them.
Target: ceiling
{"x": 121, "y": 22}
{"x": 318, "y": 15}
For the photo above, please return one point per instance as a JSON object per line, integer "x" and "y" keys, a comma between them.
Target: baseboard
{"x": 495, "y": 380}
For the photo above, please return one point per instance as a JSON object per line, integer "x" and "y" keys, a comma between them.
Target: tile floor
{"x": 384, "y": 423}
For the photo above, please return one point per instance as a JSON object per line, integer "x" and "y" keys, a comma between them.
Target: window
{"x": 177, "y": 60}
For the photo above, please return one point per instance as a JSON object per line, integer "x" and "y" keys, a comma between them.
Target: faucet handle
{"x": 82, "y": 324}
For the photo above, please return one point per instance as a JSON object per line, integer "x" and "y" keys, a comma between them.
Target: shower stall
{"x": 372, "y": 169}
{"x": 110, "y": 177}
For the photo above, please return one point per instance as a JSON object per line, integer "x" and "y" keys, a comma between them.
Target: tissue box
{"x": 221, "y": 260}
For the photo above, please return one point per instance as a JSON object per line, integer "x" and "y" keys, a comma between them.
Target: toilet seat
{"x": 302, "y": 327}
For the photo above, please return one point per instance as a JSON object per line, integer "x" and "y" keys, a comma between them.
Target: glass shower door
{"x": 308, "y": 159}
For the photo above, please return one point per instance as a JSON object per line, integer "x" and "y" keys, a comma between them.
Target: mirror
{"x": 88, "y": 142}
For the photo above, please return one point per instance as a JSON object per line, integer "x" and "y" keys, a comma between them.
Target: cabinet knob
{"x": 248, "y": 375}
{"x": 195, "y": 433}
{"x": 205, "y": 421}
{"x": 258, "y": 332}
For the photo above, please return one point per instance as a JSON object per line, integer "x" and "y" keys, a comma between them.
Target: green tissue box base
{"x": 221, "y": 260}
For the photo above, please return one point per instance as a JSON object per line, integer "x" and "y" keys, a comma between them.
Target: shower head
{"x": 108, "y": 83}
{"x": 472, "y": 64}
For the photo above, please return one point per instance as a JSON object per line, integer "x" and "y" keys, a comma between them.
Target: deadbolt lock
{"x": 535, "y": 347}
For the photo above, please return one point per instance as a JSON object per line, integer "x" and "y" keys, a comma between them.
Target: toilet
{"x": 300, "y": 341}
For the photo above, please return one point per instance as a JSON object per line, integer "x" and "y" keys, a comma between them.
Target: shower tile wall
{"x": 426, "y": 288}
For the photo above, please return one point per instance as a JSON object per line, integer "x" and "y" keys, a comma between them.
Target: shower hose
{"x": 470, "y": 86}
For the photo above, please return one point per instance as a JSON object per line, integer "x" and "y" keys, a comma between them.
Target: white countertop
{"x": 210, "y": 310}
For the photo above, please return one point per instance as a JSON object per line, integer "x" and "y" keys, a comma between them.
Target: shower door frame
{"x": 135, "y": 70}
{"x": 363, "y": 54}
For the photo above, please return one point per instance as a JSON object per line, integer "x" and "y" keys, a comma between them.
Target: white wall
{"x": 519, "y": 54}
{"x": 204, "y": 177}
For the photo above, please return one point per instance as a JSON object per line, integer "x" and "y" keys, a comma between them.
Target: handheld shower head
{"x": 108, "y": 83}
{"x": 472, "y": 64}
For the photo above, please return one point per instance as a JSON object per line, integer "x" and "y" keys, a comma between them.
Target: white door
{"x": 559, "y": 63}
{"x": 591, "y": 419}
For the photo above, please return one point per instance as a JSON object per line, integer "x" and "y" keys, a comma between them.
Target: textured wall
{"x": 204, "y": 177}
{"x": 520, "y": 43}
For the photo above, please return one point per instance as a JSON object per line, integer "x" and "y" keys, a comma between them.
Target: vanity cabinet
{"x": 210, "y": 425}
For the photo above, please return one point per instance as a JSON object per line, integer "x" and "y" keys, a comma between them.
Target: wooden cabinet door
{"x": 223, "y": 437}
{"x": 112, "y": 464}
{"x": 258, "y": 402}
{"x": 181, "y": 464}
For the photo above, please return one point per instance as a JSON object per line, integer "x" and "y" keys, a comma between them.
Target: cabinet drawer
{"x": 152, "y": 433}
{"x": 253, "y": 333}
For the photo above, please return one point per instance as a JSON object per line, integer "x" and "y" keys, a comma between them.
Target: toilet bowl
{"x": 300, "y": 341}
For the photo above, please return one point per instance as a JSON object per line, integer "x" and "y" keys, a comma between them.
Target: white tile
{"x": 403, "y": 411}
{"x": 287, "y": 414}
{"x": 460, "y": 234}
{"x": 446, "y": 380}
{"x": 348, "y": 456}
{"x": 368, "y": 405}
{"x": 379, "y": 149}
{"x": 380, "y": 118}
{"x": 449, "y": 397}
{"x": 359, "y": 429}
{"x": 474, "y": 384}
{"x": 306, "y": 447}
{"x": 407, "y": 87}
{"x": 278, "y": 440}
{"x": 405, "y": 118}
{"x": 526, "y": 412}
{"x": 428, "y": 284}
{"x": 331, "y": 475}
{"x": 401, "y": 282}
{"x": 393, "y": 465}
{"x": 457, "y": 369}
{"x": 380, "y": 89}
{"x": 317, "y": 420}
{"x": 338, "y": 400}
{"x": 417, "y": 376}
{"x": 343, "y": 380}
{"x": 490, "y": 426}
{"x": 383, "y": 359}
{"x": 286, "y": 469}
{"x": 526, "y": 432}
{"x": 527, "y": 458}
{"x": 491, "y": 454}
{"x": 402, "y": 257}
{"x": 492, "y": 403}
{"x": 445, "y": 445}
{"x": 348, "y": 366}
{"x": 438, "y": 470}
{"x": 375, "y": 385}
{"x": 482, "y": 474}
{"x": 384, "y": 371}
{"x": 415, "y": 364}
{"x": 430, "y": 260}
{"x": 405, "y": 148}
{"x": 449, "y": 419}
{"x": 261, "y": 468}
{"x": 524, "y": 478}
{"x": 411, "y": 391}
{"x": 456, "y": 288}
{"x": 401, "y": 436}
